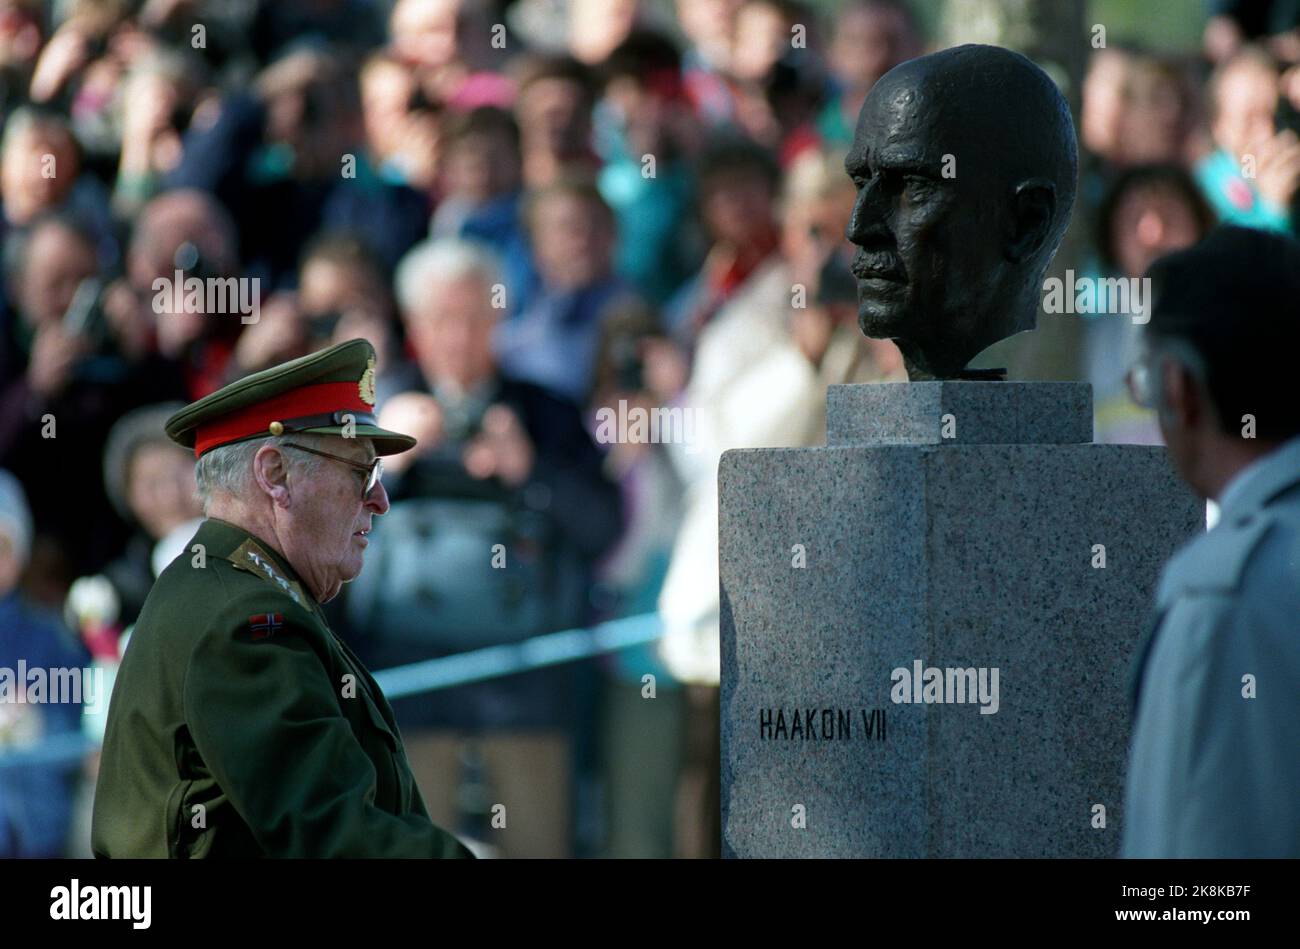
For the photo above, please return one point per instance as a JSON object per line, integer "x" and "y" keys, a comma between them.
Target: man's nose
{"x": 377, "y": 500}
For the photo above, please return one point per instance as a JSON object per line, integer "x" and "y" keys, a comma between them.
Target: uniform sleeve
{"x": 265, "y": 718}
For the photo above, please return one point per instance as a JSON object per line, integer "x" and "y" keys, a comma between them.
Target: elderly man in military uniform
{"x": 240, "y": 725}
{"x": 1214, "y": 768}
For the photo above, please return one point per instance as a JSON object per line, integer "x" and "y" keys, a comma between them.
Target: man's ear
{"x": 1033, "y": 207}
{"x": 272, "y": 474}
{"x": 1181, "y": 402}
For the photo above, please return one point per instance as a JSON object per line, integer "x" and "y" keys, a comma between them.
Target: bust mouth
{"x": 877, "y": 267}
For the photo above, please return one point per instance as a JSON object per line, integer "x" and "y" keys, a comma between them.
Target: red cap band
{"x": 322, "y": 398}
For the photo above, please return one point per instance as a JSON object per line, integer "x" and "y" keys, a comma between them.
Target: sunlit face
{"x": 867, "y": 42}
{"x": 479, "y": 167}
{"x": 1103, "y": 100}
{"x": 596, "y": 27}
{"x": 762, "y": 35}
{"x": 386, "y": 89}
{"x": 928, "y": 244}
{"x": 1151, "y": 124}
{"x": 328, "y": 518}
{"x": 452, "y": 336}
{"x": 424, "y": 32}
{"x": 36, "y": 172}
{"x": 573, "y": 242}
{"x": 1149, "y": 223}
{"x": 1246, "y": 101}
{"x": 56, "y": 262}
{"x": 555, "y": 114}
{"x": 160, "y": 488}
{"x": 736, "y": 207}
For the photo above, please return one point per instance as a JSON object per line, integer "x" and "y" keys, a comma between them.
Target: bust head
{"x": 965, "y": 164}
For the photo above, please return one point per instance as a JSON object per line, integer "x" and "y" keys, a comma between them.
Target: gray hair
{"x": 228, "y": 469}
{"x": 442, "y": 260}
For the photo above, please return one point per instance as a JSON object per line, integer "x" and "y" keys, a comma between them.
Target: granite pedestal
{"x": 954, "y": 524}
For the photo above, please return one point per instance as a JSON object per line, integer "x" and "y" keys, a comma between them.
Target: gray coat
{"x": 1213, "y": 773}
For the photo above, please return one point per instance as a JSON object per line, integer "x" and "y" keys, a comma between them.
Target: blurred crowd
{"x": 535, "y": 210}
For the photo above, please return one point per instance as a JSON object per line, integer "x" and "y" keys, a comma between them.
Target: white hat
{"x": 15, "y": 516}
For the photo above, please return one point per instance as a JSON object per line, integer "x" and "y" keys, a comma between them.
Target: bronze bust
{"x": 965, "y": 162}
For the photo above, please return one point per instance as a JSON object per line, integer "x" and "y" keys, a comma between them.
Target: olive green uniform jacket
{"x": 241, "y": 726}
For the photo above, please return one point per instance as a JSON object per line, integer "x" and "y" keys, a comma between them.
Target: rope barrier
{"x": 476, "y": 665}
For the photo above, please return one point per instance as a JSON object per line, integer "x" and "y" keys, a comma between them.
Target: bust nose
{"x": 868, "y": 221}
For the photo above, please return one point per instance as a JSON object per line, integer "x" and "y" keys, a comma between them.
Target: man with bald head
{"x": 965, "y": 163}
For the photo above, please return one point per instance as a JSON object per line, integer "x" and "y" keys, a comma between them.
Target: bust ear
{"x": 1033, "y": 207}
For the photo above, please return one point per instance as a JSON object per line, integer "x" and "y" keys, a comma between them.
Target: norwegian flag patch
{"x": 265, "y": 624}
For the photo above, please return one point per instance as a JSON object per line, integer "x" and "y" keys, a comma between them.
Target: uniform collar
{"x": 249, "y": 552}
{"x": 1260, "y": 481}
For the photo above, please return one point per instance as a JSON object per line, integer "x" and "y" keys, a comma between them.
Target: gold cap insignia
{"x": 367, "y": 383}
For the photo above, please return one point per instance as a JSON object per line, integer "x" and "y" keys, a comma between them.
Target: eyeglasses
{"x": 1138, "y": 379}
{"x": 374, "y": 470}
{"x": 1142, "y": 378}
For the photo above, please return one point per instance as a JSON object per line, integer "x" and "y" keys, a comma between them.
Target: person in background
{"x": 35, "y": 798}
{"x": 448, "y": 45}
{"x": 556, "y": 98}
{"x": 737, "y": 183}
{"x": 388, "y": 182}
{"x": 1234, "y": 23}
{"x": 274, "y": 156}
{"x": 1139, "y": 108}
{"x": 21, "y": 37}
{"x": 343, "y": 293}
{"x": 444, "y": 291}
{"x": 552, "y": 343}
{"x": 1148, "y": 211}
{"x": 748, "y": 385}
{"x": 1253, "y": 175}
{"x": 778, "y": 85}
{"x": 648, "y": 137}
{"x": 867, "y": 38}
{"x": 72, "y": 378}
{"x": 40, "y": 171}
{"x": 710, "y": 28}
{"x": 1101, "y": 117}
{"x": 641, "y": 741}
{"x": 597, "y": 27}
{"x": 150, "y": 483}
{"x": 1212, "y": 769}
{"x": 1157, "y": 118}
{"x": 482, "y": 194}
{"x": 160, "y": 97}
{"x": 188, "y": 231}
{"x": 816, "y": 204}
{"x": 498, "y": 461}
